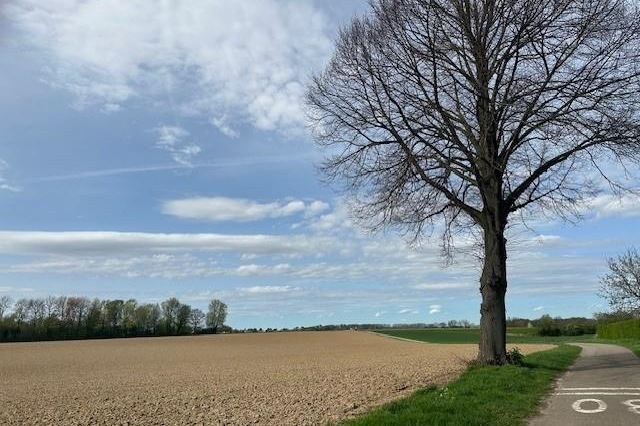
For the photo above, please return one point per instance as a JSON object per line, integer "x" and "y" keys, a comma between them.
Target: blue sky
{"x": 153, "y": 151}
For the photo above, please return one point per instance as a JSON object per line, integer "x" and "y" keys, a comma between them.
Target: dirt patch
{"x": 275, "y": 379}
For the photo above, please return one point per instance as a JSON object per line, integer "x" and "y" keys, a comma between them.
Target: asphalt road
{"x": 601, "y": 388}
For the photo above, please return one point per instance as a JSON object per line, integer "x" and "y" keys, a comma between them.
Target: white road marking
{"x": 634, "y": 405}
{"x": 597, "y": 393}
{"x": 577, "y": 406}
{"x": 601, "y": 389}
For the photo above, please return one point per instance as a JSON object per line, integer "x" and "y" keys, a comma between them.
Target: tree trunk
{"x": 493, "y": 286}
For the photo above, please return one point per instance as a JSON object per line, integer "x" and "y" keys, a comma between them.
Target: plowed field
{"x": 275, "y": 378}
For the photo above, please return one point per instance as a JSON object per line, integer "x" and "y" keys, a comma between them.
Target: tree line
{"x": 65, "y": 317}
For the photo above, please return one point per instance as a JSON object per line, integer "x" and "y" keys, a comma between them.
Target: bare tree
{"x": 196, "y": 320}
{"x": 463, "y": 113}
{"x": 170, "y": 308}
{"x": 621, "y": 285}
{"x": 5, "y": 303}
{"x": 183, "y": 317}
{"x": 217, "y": 314}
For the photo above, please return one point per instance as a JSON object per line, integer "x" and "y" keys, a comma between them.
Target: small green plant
{"x": 515, "y": 357}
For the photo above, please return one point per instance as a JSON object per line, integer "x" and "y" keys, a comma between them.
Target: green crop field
{"x": 472, "y": 335}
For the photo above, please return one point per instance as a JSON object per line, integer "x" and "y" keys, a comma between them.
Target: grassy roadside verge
{"x": 472, "y": 335}
{"x": 514, "y": 336}
{"x": 481, "y": 396}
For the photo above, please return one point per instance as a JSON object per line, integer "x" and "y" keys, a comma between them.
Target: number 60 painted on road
{"x": 633, "y": 404}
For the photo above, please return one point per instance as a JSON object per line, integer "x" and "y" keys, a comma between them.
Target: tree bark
{"x": 493, "y": 287}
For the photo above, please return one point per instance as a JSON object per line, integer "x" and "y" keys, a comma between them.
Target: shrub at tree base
{"x": 629, "y": 329}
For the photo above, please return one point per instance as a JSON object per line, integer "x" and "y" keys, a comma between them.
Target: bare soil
{"x": 273, "y": 379}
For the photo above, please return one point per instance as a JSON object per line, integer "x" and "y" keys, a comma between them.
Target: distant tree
{"x": 548, "y": 326}
{"x": 113, "y": 313}
{"x": 21, "y": 310}
{"x": 78, "y": 317}
{"x": 465, "y": 116}
{"x": 170, "y": 309}
{"x": 5, "y": 303}
{"x": 621, "y": 285}
{"x": 518, "y": 322}
{"x": 50, "y": 306}
{"x": 129, "y": 314}
{"x": 196, "y": 320}
{"x": 94, "y": 317}
{"x": 155, "y": 317}
{"x": 60, "y": 304}
{"x": 217, "y": 314}
{"x": 614, "y": 316}
{"x": 142, "y": 317}
{"x": 182, "y": 318}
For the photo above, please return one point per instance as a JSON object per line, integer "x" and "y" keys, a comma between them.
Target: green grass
{"x": 484, "y": 396}
{"x": 472, "y": 335}
{"x": 514, "y": 336}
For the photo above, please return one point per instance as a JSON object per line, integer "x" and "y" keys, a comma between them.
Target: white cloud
{"x": 538, "y": 308}
{"x": 172, "y": 140}
{"x": 407, "y": 311}
{"x": 168, "y": 266}
{"x": 442, "y": 286}
{"x": 5, "y": 185}
{"x": 379, "y": 314}
{"x": 244, "y": 59}
{"x": 435, "y": 309}
{"x": 316, "y": 207}
{"x": 336, "y": 220}
{"x": 253, "y": 269}
{"x": 217, "y": 209}
{"x": 115, "y": 243}
{"x": 268, "y": 289}
{"x": 606, "y": 205}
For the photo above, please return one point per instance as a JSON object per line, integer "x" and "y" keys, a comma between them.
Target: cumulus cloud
{"x": 172, "y": 140}
{"x": 217, "y": 209}
{"x": 538, "y": 308}
{"x": 218, "y": 59}
{"x": 435, "y": 309}
{"x": 115, "y": 243}
{"x": 606, "y": 205}
{"x": 336, "y": 220}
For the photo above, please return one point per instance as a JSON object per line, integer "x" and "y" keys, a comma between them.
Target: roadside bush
{"x": 515, "y": 357}
{"x": 547, "y": 326}
{"x": 578, "y": 329}
{"x": 629, "y": 329}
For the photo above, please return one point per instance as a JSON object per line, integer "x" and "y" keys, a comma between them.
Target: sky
{"x": 159, "y": 149}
